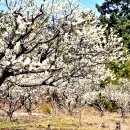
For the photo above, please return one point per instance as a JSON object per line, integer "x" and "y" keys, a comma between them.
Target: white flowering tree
{"x": 50, "y": 43}
{"x": 12, "y": 98}
{"x": 120, "y": 94}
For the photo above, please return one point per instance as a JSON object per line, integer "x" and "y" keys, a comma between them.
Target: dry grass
{"x": 91, "y": 120}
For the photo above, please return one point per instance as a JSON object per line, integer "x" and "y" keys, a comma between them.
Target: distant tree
{"x": 116, "y": 14}
{"x": 11, "y": 100}
{"x": 120, "y": 94}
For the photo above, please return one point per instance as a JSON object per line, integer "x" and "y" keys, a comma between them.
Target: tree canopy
{"x": 116, "y": 13}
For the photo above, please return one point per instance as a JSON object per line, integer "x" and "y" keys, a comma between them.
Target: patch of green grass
{"x": 46, "y": 108}
{"x": 13, "y": 124}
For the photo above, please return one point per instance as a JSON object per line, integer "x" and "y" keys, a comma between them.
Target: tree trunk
{"x": 81, "y": 113}
{"x": 102, "y": 113}
{"x": 70, "y": 112}
{"x": 9, "y": 116}
{"x": 80, "y": 118}
{"x": 55, "y": 109}
{"x": 29, "y": 113}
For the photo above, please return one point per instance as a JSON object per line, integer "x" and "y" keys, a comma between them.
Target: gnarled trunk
{"x": 9, "y": 116}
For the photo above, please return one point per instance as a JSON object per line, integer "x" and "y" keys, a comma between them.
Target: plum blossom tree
{"x": 119, "y": 93}
{"x": 12, "y": 98}
{"x": 53, "y": 43}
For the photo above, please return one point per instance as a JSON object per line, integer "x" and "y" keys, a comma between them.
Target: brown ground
{"x": 91, "y": 120}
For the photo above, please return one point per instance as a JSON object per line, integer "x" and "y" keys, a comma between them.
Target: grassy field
{"x": 91, "y": 120}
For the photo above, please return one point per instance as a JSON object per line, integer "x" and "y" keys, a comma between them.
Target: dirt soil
{"x": 90, "y": 120}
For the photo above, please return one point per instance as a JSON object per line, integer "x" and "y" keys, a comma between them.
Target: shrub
{"x": 46, "y": 108}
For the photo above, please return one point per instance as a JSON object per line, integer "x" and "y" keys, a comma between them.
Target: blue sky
{"x": 91, "y": 4}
